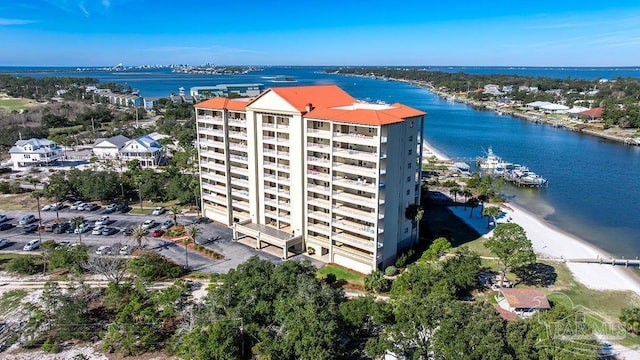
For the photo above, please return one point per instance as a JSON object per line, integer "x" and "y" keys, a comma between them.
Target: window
{"x": 406, "y": 230}
{"x": 408, "y": 192}
{"x": 411, "y": 138}
{"x": 410, "y": 151}
{"x": 409, "y": 166}
{"x": 408, "y": 178}
{"x": 410, "y": 123}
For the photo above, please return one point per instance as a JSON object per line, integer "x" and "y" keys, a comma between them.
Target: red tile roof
{"x": 327, "y": 102}
{"x": 224, "y": 103}
{"x": 387, "y": 114}
{"x": 526, "y": 298}
{"x": 594, "y": 113}
{"x": 505, "y": 314}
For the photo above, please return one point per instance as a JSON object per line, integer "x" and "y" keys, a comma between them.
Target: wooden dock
{"x": 607, "y": 261}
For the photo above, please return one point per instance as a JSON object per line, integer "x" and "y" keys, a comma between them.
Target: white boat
{"x": 493, "y": 162}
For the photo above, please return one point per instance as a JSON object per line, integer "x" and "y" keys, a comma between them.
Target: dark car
{"x": 62, "y": 227}
{"x": 128, "y": 230}
{"x": 109, "y": 231}
{"x": 5, "y": 226}
{"x": 50, "y": 227}
{"x": 123, "y": 208}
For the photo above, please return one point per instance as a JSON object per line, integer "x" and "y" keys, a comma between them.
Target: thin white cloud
{"x": 7, "y": 22}
{"x": 81, "y": 7}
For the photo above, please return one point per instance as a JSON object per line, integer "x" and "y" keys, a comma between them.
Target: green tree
{"x": 512, "y": 247}
{"x": 376, "y": 282}
{"x": 192, "y": 231}
{"x": 473, "y": 203}
{"x": 47, "y": 247}
{"x": 139, "y": 235}
{"x": 491, "y": 212}
{"x": 438, "y": 248}
{"x": 175, "y": 211}
{"x": 630, "y": 317}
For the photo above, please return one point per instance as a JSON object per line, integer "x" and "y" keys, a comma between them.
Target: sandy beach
{"x": 553, "y": 243}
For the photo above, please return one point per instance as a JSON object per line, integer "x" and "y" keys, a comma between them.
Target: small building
{"x": 109, "y": 148}
{"x": 227, "y": 90}
{"x": 522, "y": 302}
{"x": 35, "y": 152}
{"x": 554, "y": 108}
{"x": 592, "y": 114}
{"x": 536, "y": 105}
{"x": 492, "y": 89}
{"x": 145, "y": 149}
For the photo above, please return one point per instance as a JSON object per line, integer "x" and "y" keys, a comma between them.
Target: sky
{"x": 313, "y": 32}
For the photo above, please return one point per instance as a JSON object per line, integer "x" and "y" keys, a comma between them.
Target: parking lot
{"x": 214, "y": 236}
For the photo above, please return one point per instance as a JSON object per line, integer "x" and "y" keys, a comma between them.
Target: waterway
{"x": 592, "y": 191}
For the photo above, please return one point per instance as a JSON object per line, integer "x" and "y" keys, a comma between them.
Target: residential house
{"x": 492, "y": 90}
{"x": 591, "y": 115}
{"x": 145, "y": 149}
{"x": 522, "y": 302}
{"x": 35, "y": 152}
{"x": 109, "y": 148}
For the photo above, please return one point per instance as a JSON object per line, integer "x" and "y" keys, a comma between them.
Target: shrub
{"x": 391, "y": 270}
{"x": 330, "y": 278}
{"x": 402, "y": 259}
{"x": 376, "y": 282}
{"x": 22, "y": 265}
{"x": 151, "y": 266}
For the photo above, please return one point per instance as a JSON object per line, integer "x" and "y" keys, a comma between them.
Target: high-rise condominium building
{"x": 310, "y": 168}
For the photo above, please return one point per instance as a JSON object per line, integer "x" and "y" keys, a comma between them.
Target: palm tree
{"x": 75, "y": 223}
{"x": 37, "y": 195}
{"x": 455, "y": 191}
{"x": 175, "y": 211}
{"x": 473, "y": 203}
{"x": 192, "y": 231}
{"x": 492, "y": 212}
{"x": 139, "y": 234}
{"x": 466, "y": 193}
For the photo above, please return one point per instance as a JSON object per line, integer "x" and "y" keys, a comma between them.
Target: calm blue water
{"x": 593, "y": 183}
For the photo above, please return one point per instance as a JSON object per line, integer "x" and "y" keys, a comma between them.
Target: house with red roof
{"x": 591, "y": 115}
{"x": 521, "y": 302}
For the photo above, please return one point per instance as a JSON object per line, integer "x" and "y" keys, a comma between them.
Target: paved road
{"x": 213, "y": 236}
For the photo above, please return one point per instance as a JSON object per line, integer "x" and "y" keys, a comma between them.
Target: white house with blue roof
{"x": 144, "y": 149}
{"x": 35, "y": 152}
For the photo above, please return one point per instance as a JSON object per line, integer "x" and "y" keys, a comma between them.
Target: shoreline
{"x": 553, "y": 243}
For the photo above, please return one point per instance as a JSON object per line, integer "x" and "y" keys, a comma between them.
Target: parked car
{"x": 109, "y": 231}
{"x": 157, "y": 233}
{"x": 63, "y": 243}
{"x": 3, "y": 243}
{"x": 126, "y": 250}
{"x": 3, "y": 218}
{"x": 167, "y": 224}
{"x": 30, "y": 227}
{"x": 159, "y": 210}
{"x": 50, "y": 226}
{"x": 27, "y": 219}
{"x": 31, "y": 245}
{"x": 5, "y": 226}
{"x": 57, "y": 206}
{"x": 46, "y": 207}
{"x": 104, "y": 250}
{"x": 148, "y": 224}
{"x": 110, "y": 208}
{"x": 91, "y": 207}
{"x": 62, "y": 227}
{"x": 75, "y": 205}
{"x": 98, "y": 230}
{"x": 82, "y": 228}
{"x": 123, "y": 208}
{"x": 102, "y": 221}
{"x": 128, "y": 230}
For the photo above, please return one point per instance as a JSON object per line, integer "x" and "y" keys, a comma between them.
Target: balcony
{"x": 369, "y": 202}
{"x": 319, "y": 189}
{"x": 319, "y": 215}
{"x": 355, "y": 138}
{"x": 283, "y": 154}
{"x": 312, "y": 160}
{"x": 211, "y": 119}
{"x": 217, "y": 188}
{"x": 242, "y": 205}
{"x": 238, "y": 158}
{"x": 238, "y": 146}
{"x": 325, "y": 148}
{"x": 318, "y": 175}
{"x": 355, "y": 169}
{"x": 237, "y": 135}
{"x": 210, "y": 131}
{"x": 244, "y": 194}
{"x": 213, "y": 154}
{"x": 278, "y": 216}
{"x": 238, "y": 181}
{"x": 269, "y": 139}
{"x": 215, "y": 166}
{"x": 325, "y": 134}
{"x": 356, "y": 154}
{"x": 354, "y": 241}
{"x": 354, "y": 227}
{"x": 356, "y": 184}
{"x": 239, "y": 171}
{"x": 218, "y": 144}
{"x": 321, "y": 203}
{"x": 355, "y": 213}
{"x": 214, "y": 176}
{"x": 237, "y": 122}
{"x": 216, "y": 199}
{"x": 319, "y": 228}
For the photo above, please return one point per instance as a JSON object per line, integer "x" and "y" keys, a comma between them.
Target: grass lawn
{"x": 147, "y": 207}
{"x": 341, "y": 274}
{"x": 19, "y": 202}
{"x": 5, "y": 258}
{"x": 10, "y": 105}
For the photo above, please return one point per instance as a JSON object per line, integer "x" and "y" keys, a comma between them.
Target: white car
{"x": 148, "y": 224}
{"x": 125, "y": 250}
{"x": 75, "y": 205}
{"x": 103, "y": 250}
{"x": 3, "y": 243}
{"x": 27, "y": 219}
{"x": 31, "y": 245}
{"x": 98, "y": 230}
{"x": 102, "y": 221}
{"x": 46, "y": 207}
{"x": 83, "y": 228}
{"x": 158, "y": 211}
{"x": 57, "y": 206}
{"x": 166, "y": 224}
